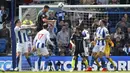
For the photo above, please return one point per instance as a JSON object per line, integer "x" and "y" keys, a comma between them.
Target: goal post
{"x": 89, "y": 14}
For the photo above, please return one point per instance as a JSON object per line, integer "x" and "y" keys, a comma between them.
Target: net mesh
{"x": 88, "y": 16}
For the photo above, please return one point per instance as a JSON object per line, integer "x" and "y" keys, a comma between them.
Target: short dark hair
{"x": 27, "y": 14}
{"x": 45, "y": 25}
{"x": 46, "y": 6}
{"x": 17, "y": 21}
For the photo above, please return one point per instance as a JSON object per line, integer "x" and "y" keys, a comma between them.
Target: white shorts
{"x": 42, "y": 51}
{"x": 22, "y": 47}
{"x": 86, "y": 51}
{"x": 98, "y": 48}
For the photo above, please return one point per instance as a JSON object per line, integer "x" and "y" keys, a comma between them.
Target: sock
{"x": 73, "y": 63}
{"x": 96, "y": 60}
{"x": 103, "y": 63}
{"x": 18, "y": 61}
{"x": 29, "y": 61}
{"x": 92, "y": 61}
{"x": 76, "y": 62}
{"x": 87, "y": 60}
{"x": 110, "y": 59}
{"x": 39, "y": 62}
{"x": 86, "y": 63}
{"x": 47, "y": 60}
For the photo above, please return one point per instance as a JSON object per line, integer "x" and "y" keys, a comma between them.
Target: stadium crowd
{"x": 118, "y": 25}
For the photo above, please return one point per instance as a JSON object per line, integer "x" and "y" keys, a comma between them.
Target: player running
{"x": 108, "y": 46}
{"x": 100, "y": 39}
{"x": 77, "y": 38}
{"x": 22, "y": 43}
{"x": 40, "y": 43}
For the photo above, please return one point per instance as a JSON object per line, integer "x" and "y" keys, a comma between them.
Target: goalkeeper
{"x": 77, "y": 39}
{"x": 108, "y": 46}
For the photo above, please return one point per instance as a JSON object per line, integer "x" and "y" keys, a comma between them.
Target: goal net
{"x": 86, "y": 15}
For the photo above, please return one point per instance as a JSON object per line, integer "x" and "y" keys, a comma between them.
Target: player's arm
{"x": 72, "y": 40}
{"x": 107, "y": 34}
{"x": 19, "y": 29}
{"x": 49, "y": 21}
{"x": 28, "y": 27}
{"x": 34, "y": 43}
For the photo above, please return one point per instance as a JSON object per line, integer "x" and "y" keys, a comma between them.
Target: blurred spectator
{"x": 114, "y": 2}
{"x": 119, "y": 34}
{"x": 59, "y": 26}
{"x": 123, "y": 24}
{"x": 27, "y": 2}
{"x": 52, "y": 16}
{"x": 63, "y": 40}
{"x": 3, "y": 14}
{"x": 95, "y": 25}
{"x": 5, "y": 34}
{"x": 126, "y": 50}
{"x": 118, "y": 48}
{"x": 53, "y": 39}
{"x": 127, "y": 18}
{"x": 88, "y": 2}
{"x": 128, "y": 34}
{"x": 124, "y": 1}
{"x": 102, "y": 2}
{"x": 73, "y": 2}
{"x": 50, "y": 52}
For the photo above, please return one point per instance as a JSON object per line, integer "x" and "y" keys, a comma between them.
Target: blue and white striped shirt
{"x": 21, "y": 35}
{"x": 101, "y": 34}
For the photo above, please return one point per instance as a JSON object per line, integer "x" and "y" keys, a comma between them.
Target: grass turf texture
{"x": 70, "y": 72}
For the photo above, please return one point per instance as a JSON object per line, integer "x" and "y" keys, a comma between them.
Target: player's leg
{"x": 39, "y": 62}
{"x": 101, "y": 54}
{"x": 17, "y": 60}
{"x": 28, "y": 59}
{"x": 19, "y": 48}
{"x": 45, "y": 53}
{"x": 96, "y": 60}
{"x": 85, "y": 61}
{"x": 107, "y": 54}
{"x": 94, "y": 53}
{"x": 86, "y": 51}
{"x": 76, "y": 62}
{"x": 26, "y": 53}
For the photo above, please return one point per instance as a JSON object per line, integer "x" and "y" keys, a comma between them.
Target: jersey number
{"x": 40, "y": 36}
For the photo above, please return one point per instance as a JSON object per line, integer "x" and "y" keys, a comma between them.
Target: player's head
{"x": 46, "y": 8}
{"x": 45, "y": 26}
{"x": 28, "y": 16}
{"x": 18, "y": 22}
{"x": 102, "y": 23}
{"x": 78, "y": 30}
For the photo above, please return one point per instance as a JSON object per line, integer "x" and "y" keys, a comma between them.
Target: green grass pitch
{"x": 70, "y": 72}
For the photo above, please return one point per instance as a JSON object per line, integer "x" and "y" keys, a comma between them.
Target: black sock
{"x": 103, "y": 62}
{"x": 39, "y": 62}
{"x": 17, "y": 61}
{"x": 29, "y": 61}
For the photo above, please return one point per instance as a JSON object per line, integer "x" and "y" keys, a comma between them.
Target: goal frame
{"x": 68, "y": 6}
{"x": 71, "y": 6}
